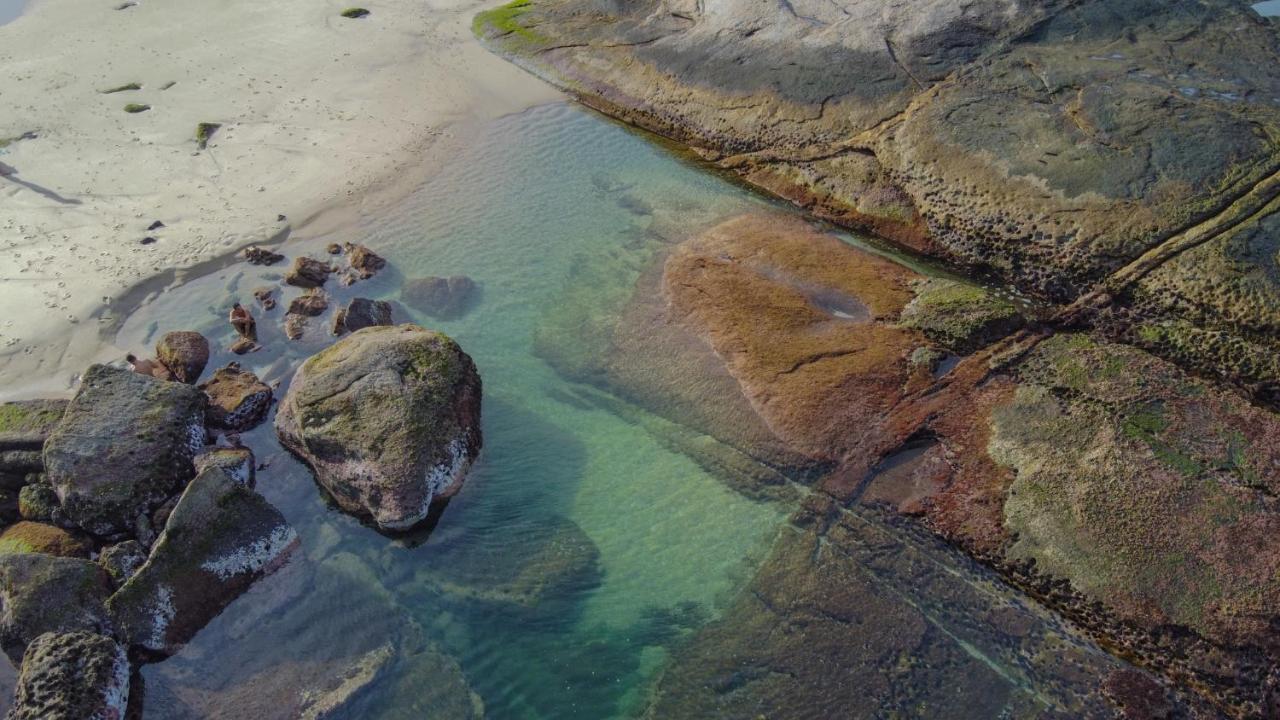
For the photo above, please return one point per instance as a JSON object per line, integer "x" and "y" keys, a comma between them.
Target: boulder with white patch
{"x": 236, "y": 462}
{"x": 219, "y": 539}
{"x": 123, "y": 446}
{"x": 237, "y": 399}
{"x": 72, "y": 676}
{"x": 388, "y": 418}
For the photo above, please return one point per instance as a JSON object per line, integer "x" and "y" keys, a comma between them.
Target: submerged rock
{"x": 236, "y": 399}
{"x": 72, "y": 676}
{"x": 388, "y": 418}
{"x": 361, "y": 313}
{"x": 43, "y": 593}
{"x": 294, "y": 325}
{"x": 265, "y": 297}
{"x": 307, "y": 273}
{"x": 123, "y": 446}
{"x": 184, "y": 353}
{"x": 220, "y": 538}
{"x": 443, "y": 298}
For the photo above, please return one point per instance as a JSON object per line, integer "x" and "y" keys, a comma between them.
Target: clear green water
{"x": 582, "y": 548}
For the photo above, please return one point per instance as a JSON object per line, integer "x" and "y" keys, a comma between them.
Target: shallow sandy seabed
{"x": 323, "y": 118}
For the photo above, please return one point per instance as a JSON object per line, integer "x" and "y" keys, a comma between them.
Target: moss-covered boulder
{"x": 43, "y": 593}
{"x": 184, "y": 353}
{"x": 219, "y": 539}
{"x": 122, "y": 560}
{"x": 35, "y": 537}
{"x": 72, "y": 676}
{"x": 25, "y": 425}
{"x": 124, "y": 444}
{"x": 388, "y": 418}
{"x": 236, "y": 462}
{"x": 237, "y": 399}
{"x": 38, "y": 502}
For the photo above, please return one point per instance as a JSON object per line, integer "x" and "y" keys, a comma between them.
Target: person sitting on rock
{"x": 244, "y": 323}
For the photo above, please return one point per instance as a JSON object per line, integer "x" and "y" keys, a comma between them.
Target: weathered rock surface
{"x": 266, "y": 297}
{"x": 35, "y": 537}
{"x": 236, "y": 399}
{"x": 445, "y": 298}
{"x": 294, "y": 325}
{"x": 388, "y": 418}
{"x": 122, "y": 560}
{"x": 184, "y": 353}
{"x": 72, "y": 676}
{"x": 361, "y": 313}
{"x": 42, "y": 593}
{"x": 307, "y": 273}
{"x": 1124, "y": 154}
{"x": 123, "y": 446}
{"x": 220, "y": 537}
{"x": 38, "y": 502}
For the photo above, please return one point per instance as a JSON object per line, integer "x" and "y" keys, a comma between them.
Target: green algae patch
{"x": 31, "y": 416}
{"x": 1139, "y": 485}
{"x": 960, "y": 316}
{"x": 505, "y": 21}
{"x": 135, "y": 108}
{"x": 204, "y": 133}
{"x": 354, "y": 13}
{"x": 122, "y": 88}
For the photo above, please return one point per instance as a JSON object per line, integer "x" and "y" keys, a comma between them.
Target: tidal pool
{"x": 585, "y": 549}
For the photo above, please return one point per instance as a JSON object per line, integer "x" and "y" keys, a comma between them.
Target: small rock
{"x": 443, "y": 298}
{"x": 310, "y": 303}
{"x": 184, "y": 353}
{"x": 38, "y": 502}
{"x": 260, "y": 256}
{"x": 220, "y": 537}
{"x": 361, "y": 313}
{"x": 294, "y": 325}
{"x": 244, "y": 345}
{"x": 148, "y": 240}
{"x": 123, "y": 446}
{"x": 45, "y": 593}
{"x": 334, "y": 249}
{"x": 362, "y": 264}
{"x": 72, "y": 676}
{"x": 265, "y": 297}
{"x": 307, "y": 273}
{"x": 236, "y": 462}
{"x": 389, "y": 420}
{"x": 122, "y": 560}
{"x": 35, "y": 537}
{"x": 155, "y": 226}
{"x": 237, "y": 399}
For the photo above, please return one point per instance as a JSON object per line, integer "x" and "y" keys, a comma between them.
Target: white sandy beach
{"x": 322, "y": 118}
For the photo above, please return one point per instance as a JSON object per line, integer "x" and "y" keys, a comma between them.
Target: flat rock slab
{"x": 220, "y": 538}
{"x": 26, "y": 424}
{"x": 388, "y": 418}
{"x": 124, "y": 444}
{"x": 72, "y": 676}
{"x": 237, "y": 399}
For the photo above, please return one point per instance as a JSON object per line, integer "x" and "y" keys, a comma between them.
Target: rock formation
{"x": 361, "y": 313}
{"x": 72, "y": 676}
{"x": 184, "y": 353}
{"x": 440, "y": 297}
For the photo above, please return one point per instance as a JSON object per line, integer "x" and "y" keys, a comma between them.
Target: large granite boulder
{"x": 184, "y": 353}
{"x": 219, "y": 539}
{"x": 123, "y": 446}
{"x": 389, "y": 420}
{"x": 42, "y": 593}
{"x": 237, "y": 399}
{"x": 72, "y": 676}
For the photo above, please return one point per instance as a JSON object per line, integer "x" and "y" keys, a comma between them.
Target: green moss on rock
{"x": 960, "y": 316}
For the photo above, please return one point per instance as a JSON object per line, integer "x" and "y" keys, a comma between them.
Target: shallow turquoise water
{"x": 583, "y": 548}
